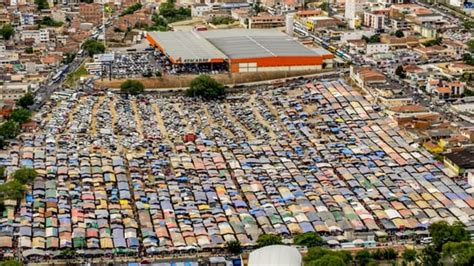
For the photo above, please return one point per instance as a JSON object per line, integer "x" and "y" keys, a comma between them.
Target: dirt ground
{"x": 173, "y": 81}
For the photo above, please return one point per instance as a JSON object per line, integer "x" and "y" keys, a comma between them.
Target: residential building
{"x": 266, "y": 21}
{"x": 38, "y": 36}
{"x": 90, "y": 12}
{"x": 199, "y": 10}
{"x": 12, "y": 91}
{"x": 320, "y": 22}
{"x": 399, "y": 24}
{"x": 376, "y": 48}
{"x": 363, "y": 76}
{"x": 461, "y": 161}
{"x": 374, "y": 21}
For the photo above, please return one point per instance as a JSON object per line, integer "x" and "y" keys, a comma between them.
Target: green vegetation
{"x": 468, "y": 92}
{"x": 68, "y": 58}
{"x": 73, "y": 77}
{"x": 219, "y": 20}
{"x": 400, "y": 72}
{"x": 459, "y": 253}
{"x": 25, "y": 175}
{"x": 324, "y": 6}
{"x": 399, "y": 34}
{"x": 42, "y": 4}
{"x": 160, "y": 24}
{"x": 468, "y": 25}
{"x": 317, "y": 253}
{"x": 363, "y": 257}
{"x": 409, "y": 255}
{"x": 208, "y": 88}
{"x": 234, "y": 247}
{"x": 68, "y": 253}
{"x": 15, "y": 189}
{"x": 172, "y": 14}
{"x": 48, "y": 21}
{"x": 7, "y": 31}
{"x": 9, "y": 130}
{"x": 442, "y": 233}
{"x": 470, "y": 46}
{"x": 133, "y": 87}
{"x": 257, "y": 7}
{"x": 268, "y": 240}
{"x": 10, "y": 262}
{"x": 21, "y": 115}
{"x": 29, "y": 50}
{"x": 373, "y": 39}
{"x": 309, "y": 239}
{"x": 26, "y": 101}
{"x": 433, "y": 42}
{"x": 131, "y": 9}
{"x": 93, "y": 47}
{"x": 327, "y": 260}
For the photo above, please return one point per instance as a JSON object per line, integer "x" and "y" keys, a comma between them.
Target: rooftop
{"x": 233, "y": 43}
{"x": 186, "y": 46}
{"x": 463, "y": 158}
{"x": 242, "y": 43}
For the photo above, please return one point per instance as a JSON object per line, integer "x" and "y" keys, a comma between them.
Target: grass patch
{"x": 73, "y": 77}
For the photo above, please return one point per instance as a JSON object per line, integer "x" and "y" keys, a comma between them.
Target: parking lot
{"x": 154, "y": 175}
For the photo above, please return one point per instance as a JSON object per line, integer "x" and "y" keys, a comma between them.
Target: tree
{"x": 42, "y": 4}
{"x": 68, "y": 58}
{"x": 20, "y": 115}
{"x": 400, "y": 72}
{"x": 7, "y": 31}
{"x": 327, "y": 260}
{"x": 363, "y": 257}
{"x": 133, "y": 87}
{"x": 470, "y": 45}
{"x": 268, "y": 240}
{"x": 26, "y": 100}
{"x": 324, "y": 6}
{"x": 173, "y": 14}
{"x": 206, "y": 87}
{"x": 9, "y": 130}
{"x": 318, "y": 252}
{"x": 93, "y": 47}
{"x": 461, "y": 253}
{"x": 409, "y": 255}
{"x": 468, "y": 25}
{"x": 2, "y": 172}
{"x": 29, "y": 50}
{"x": 48, "y": 21}
{"x": 257, "y": 7}
{"x": 25, "y": 175}
{"x": 234, "y": 247}
{"x": 13, "y": 190}
{"x": 399, "y": 34}
{"x": 389, "y": 254}
{"x": 131, "y": 9}
{"x": 430, "y": 256}
{"x": 374, "y": 38}
{"x": 309, "y": 239}
{"x": 442, "y": 233}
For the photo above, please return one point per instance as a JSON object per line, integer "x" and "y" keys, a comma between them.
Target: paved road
{"x": 45, "y": 91}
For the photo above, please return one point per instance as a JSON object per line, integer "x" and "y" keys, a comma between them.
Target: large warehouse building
{"x": 244, "y": 50}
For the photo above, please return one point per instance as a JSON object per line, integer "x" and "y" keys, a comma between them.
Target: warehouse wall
{"x": 288, "y": 63}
